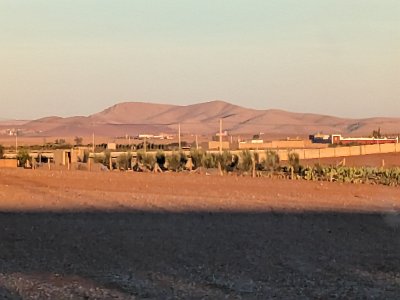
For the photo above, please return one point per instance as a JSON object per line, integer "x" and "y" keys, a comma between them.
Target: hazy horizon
{"x": 66, "y": 58}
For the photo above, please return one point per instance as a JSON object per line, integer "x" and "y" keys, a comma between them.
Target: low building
{"x": 215, "y": 145}
{"x": 339, "y": 140}
{"x": 111, "y": 146}
{"x": 145, "y": 136}
{"x": 320, "y": 138}
{"x": 62, "y": 157}
{"x": 278, "y": 144}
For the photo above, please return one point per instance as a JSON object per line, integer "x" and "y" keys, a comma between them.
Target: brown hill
{"x": 203, "y": 118}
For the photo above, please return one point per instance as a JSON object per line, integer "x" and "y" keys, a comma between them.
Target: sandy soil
{"x": 95, "y": 235}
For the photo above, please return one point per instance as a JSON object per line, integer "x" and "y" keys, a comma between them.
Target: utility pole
{"x": 197, "y": 143}
{"x": 179, "y": 136}
{"x": 16, "y": 141}
{"x": 93, "y": 143}
{"x": 220, "y": 136}
{"x": 145, "y": 144}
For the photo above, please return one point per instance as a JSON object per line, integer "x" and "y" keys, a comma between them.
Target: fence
{"x": 8, "y": 163}
{"x": 340, "y": 151}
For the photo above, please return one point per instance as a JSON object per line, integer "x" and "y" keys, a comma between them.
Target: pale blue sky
{"x": 338, "y": 57}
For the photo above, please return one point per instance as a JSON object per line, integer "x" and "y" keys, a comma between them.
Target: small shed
{"x": 62, "y": 157}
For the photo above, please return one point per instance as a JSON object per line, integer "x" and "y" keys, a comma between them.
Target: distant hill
{"x": 138, "y": 117}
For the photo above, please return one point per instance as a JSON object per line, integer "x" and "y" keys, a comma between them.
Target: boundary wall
{"x": 337, "y": 151}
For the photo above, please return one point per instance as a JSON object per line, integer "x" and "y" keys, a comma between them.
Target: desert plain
{"x": 126, "y": 235}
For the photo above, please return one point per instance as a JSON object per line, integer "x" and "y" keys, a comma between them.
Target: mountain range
{"x": 203, "y": 118}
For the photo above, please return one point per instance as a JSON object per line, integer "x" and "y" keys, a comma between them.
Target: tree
{"x": 1, "y": 151}
{"x": 294, "y": 163}
{"x": 59, "y": 141}
{"x": 78, "y": 140}
{"x": 23, "y": 157}
{"x": 125, "y": 161}
{"x": 246, "y": 161}
{"x": 160, "y": 158}
{"x": 176, "y": 161}
{"x": 377, "y": 133}
{"x": 271, "y": 162}
{"x": 294, "y": 160}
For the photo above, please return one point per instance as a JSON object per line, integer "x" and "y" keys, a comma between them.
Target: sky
{"x": 78, "y": 57}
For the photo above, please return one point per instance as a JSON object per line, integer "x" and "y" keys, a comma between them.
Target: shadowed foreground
{"x": 100, "y": 255}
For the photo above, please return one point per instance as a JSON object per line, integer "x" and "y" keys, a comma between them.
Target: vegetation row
{"x": 246, "y": 163}
{"x": 250, "y": 163}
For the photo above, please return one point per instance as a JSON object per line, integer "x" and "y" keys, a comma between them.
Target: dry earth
{"x": 82, "y": 235}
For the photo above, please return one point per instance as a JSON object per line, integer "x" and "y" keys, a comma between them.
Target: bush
{"x": 78, "y": 140}
{"x": 139, "y": 157}
{"x": 197, "y": 158}
{"x": 23, "y": 157}
{"x": 174, "y": 162}
{"x": 183, "y": 160}
{"x": 246, "y": 161}
{"x": 125, "y": 161}
{"x": 160, "y": 159}
{"x": 226, "y": 160}
{"x": 84, "y": 158}
{"x": 209, "y": 161}
{"x": 177, "y": 161}
{"x": 235, "y": 162}
{"x": 149, "y": 161}
{"x": 1, "y": 151}
{"x": 103, "y": 159}
{"x": 271, "y": 162}
{"x": 294, "y": 161}
{"x": 146, "y": 160}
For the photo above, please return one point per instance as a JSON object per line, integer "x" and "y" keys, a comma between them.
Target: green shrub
{"x": 197, "y": 158}
{"x": 182, "y": 160}
{"x": 246, "y": 161}
{"x": 271, "y": 162}
{"x": 174, "y": 162}
{"x": 103, "y": 159}
{"x": 84, "y": 158}
{"x": 235, "y": 162}
{"x": 225, "y": 159}
{"x": 149, "y": 161}
{"x": 294, "y": 161}
{"x": 160, "y": 158}
{"x": 124, "y": 161}
{"x": 209, "y": 161}
{"x": 23, "y": 157}
{"x": 146, "y": 160}
{"x": 139, "y": 156}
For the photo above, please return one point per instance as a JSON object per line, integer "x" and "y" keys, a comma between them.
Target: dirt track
{"x": 129, "y": 235}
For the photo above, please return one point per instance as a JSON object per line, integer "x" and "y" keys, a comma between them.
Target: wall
{"x": 61, "y": 157}
{"x": 291, "y": 144}
{"x": 333, "y": 152}
{"x": 288, "y": 144}
{"x": 344, "y": 151}
{"x": 215, "y": 145}
{"x": 8, "y": 163}
{"x": 254, "y": 146}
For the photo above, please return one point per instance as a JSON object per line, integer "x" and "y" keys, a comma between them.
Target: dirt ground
{"x": 112, "y": 235}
